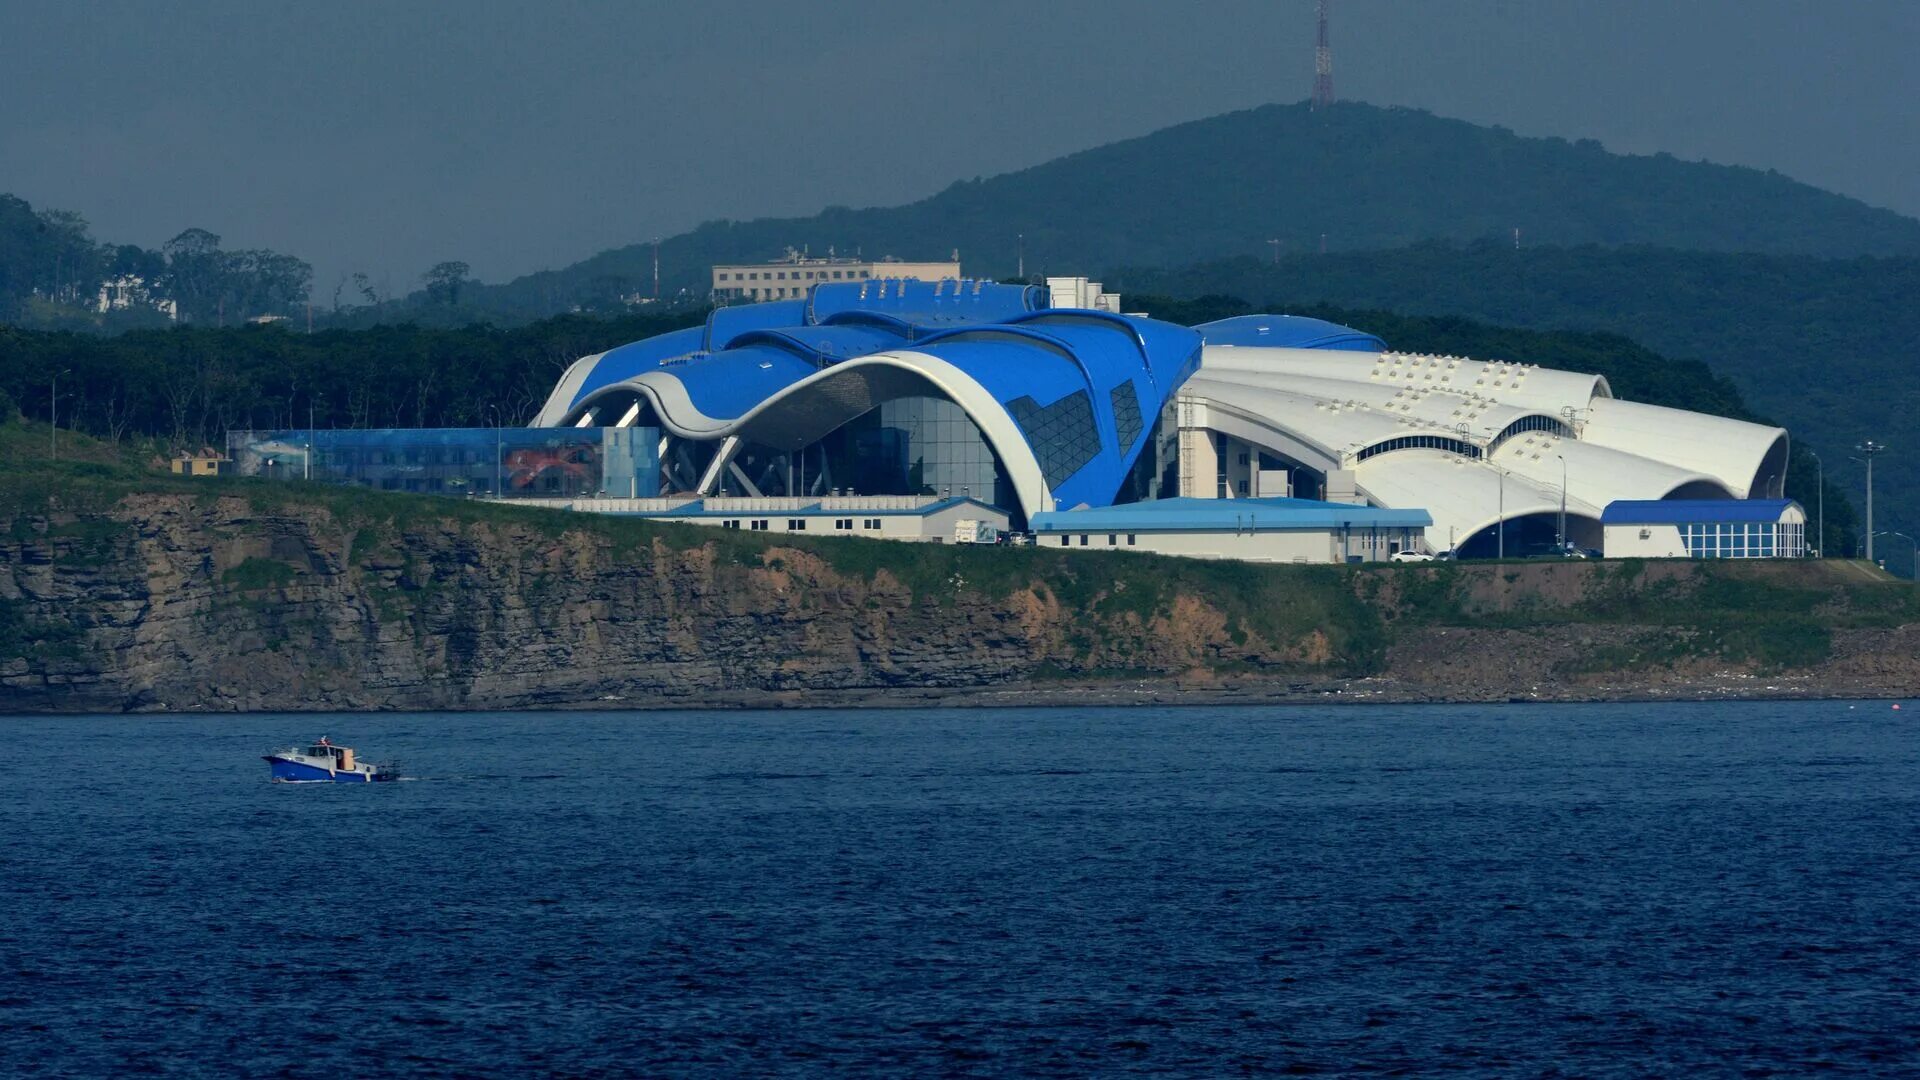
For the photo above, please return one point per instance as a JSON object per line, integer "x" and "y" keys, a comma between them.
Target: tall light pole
{"x": 1916, "y": 551}
{"x": 53, "y": 415}
{"x": 1820, "y": 493}
{"x": 1500, "y": 526}
{"x": 1563, "y": 503}
{"x": 498, "y": 440}
{"x": 1867, "y": 451}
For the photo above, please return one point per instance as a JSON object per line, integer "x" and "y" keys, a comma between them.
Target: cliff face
{"x": 202, "y": 600}
{"x": 177, "y": 602}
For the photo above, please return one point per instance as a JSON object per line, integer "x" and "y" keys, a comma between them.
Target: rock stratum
{"x": 239, "y": 596}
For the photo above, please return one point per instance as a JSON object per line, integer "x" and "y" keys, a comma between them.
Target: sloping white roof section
{"x": 1462, "y": 495}
{"x": 1731, "y": 451}
{"x": 1441, "y": 432}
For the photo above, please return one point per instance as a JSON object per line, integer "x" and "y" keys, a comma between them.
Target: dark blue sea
{"x": 1632, "y": 890}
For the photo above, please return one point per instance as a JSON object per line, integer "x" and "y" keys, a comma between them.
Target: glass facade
{"x": 919, "y": 446}
{"x": 1063, "y": 435}
{"x": 1127, "y": 421}
{"x": 1744, "y": 540}
{"x": 512, "y": 462}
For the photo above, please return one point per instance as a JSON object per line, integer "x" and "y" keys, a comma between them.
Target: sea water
{"x": 1618, "y": 890}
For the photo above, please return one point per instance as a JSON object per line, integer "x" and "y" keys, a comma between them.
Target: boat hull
{"x": 295, "y": 772}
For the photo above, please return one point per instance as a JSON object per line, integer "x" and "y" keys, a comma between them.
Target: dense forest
{"x": 1281, "y": 179}
{"x": 187, "y": 386}
{"x": 54, "y": 274}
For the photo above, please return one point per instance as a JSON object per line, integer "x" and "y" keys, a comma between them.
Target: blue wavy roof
{"x": 1084, "y": 387}
{"x": 1289, "y": 332}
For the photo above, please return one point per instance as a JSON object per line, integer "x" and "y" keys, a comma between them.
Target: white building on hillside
{"x": 790, "y": 277}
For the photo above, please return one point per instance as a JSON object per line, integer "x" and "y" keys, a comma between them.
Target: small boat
{"x": 325, "y": 763}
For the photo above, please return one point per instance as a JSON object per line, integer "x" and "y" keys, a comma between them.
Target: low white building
{"x": 1705, "y": 529}
{"x": 1253, "y": 530}
{"x": 922, "y": 518}
{"x": 790, "y": 278}
{"x": 129, "y": 291}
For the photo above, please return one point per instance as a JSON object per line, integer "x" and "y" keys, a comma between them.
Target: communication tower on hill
{"x": 1322, "y": 64}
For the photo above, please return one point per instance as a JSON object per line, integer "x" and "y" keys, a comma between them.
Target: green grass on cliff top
{"x": 1780, "y": 614}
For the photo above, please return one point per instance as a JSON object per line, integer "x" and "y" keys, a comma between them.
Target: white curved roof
{"x": 1325, "y": 407}
{"x": 1520, "y": 385}
{"x": 1462, "y": 495}
{"x": 1730, "y": 451}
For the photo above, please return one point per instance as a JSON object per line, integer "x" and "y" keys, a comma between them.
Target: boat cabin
{"x": 342, "y": 755}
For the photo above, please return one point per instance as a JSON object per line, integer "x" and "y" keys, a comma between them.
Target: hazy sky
{"x": 387, "y": 136}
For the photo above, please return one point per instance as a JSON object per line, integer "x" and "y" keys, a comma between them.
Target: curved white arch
{"x": 558, "y": 403}
{"x": 808, "y": 409}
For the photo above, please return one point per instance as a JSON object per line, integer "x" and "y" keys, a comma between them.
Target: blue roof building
{"x": 1705, "y": 529}
{"x": 1044, "y": 399}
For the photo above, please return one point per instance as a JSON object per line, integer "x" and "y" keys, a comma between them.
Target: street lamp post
{"x": 1867, "y": 450}
{"x": 53, "y": 415}
{"x": 498, "y": 448}
{"x": 1916, "y": 550}
{"x": 1500, "y": 526}
{"x": 1820, "y": 494}
{"x": 1563, "y": 503}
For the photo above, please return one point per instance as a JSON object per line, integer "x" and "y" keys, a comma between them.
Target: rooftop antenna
{"x": 1322, "y": 64}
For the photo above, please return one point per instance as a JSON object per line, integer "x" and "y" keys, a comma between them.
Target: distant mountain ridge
{"x": 1360, "y": 176}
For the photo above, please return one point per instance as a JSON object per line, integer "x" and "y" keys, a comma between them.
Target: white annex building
{"x": 793, "y": 275}
{"x": 1477, "y": 443}
{"x": 1713, "y": 529}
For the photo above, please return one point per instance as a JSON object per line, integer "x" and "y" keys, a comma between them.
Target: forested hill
{"x": 1364, "y": 177}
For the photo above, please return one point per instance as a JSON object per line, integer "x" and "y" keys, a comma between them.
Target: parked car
{"x": 1411, "y": 556}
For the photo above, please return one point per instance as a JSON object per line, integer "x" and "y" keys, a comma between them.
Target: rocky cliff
{"x": 244, "y": 597}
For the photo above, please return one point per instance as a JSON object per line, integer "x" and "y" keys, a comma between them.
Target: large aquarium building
{"x": 1030, "y": 399}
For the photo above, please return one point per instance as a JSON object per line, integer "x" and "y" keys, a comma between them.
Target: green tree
{"x": 444, "y": 282}
{"x": 193, "y": 273}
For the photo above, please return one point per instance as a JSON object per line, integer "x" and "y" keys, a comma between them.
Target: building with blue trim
{"x": 1705, "y": 529}
{"x": 1045, "y": 401}
{"x": 899, "y": 517}
{"x": 1253, "y": 530}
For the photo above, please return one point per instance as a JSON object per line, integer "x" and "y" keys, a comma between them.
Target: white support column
{"x": 710, "y": 483}
{"x": 1199, "y": 463}
{"x": 752, "y": 489}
